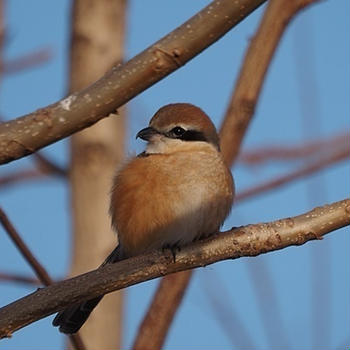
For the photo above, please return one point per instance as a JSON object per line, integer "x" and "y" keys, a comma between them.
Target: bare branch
{"x": 249, "y": 240}
{"x": 256, "y": 62}
{"x": 44, "y": 164}
{"x": 31, "y": 132}
{"x": 155, "y": 325}
{"x": 306, "y": 170}
{"x": 27, "y": 61}
{"x": 22, "y": 175}
{"x": 39, "y": 270}
{"x": 24, "y": 250}
{"x": 24, "y": 279}
{"x": 284, "y": 153}
{"x": 225, "y": 313}
{"x": 48, "y": 166}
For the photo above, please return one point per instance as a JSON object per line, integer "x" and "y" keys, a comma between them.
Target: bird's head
{"x": 176, "y": 124}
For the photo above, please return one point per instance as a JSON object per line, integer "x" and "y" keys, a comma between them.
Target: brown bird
{"x": 175, "y": 192}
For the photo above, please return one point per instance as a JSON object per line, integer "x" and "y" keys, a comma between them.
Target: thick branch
{"x": 249, "y": 240}
{"x": 31, "y": 132}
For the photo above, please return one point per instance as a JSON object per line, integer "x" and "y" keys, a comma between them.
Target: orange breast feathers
{"x": 170, "y": 199}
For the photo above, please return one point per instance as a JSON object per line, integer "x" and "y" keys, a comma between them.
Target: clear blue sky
{"x": 315, "y": 44}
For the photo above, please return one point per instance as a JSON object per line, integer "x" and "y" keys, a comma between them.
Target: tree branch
{"x": 39, "y": 270}
{"x": 31, "y": 132}
{"x": 27, "y": 61}
{"x": 256, "y": 62}
{"x": 249, "y": 240}
{"x": 24, "y": 279}
{"x": 47, "y": 166}
{"x": 308, "y": 169}
{"x": 261, "y": 154}
{"x": 22, "y": 175}
{"x": 158, "y": 319}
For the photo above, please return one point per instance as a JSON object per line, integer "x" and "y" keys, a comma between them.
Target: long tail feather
{"x": 71, "y": 319}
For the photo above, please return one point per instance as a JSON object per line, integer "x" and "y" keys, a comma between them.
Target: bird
{"x": 177, "y": 191}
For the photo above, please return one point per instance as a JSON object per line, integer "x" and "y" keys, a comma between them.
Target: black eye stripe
{"x": 186, "y": 135}
{"x": 193, "y": 135}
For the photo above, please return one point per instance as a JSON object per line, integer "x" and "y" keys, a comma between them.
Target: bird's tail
{"x": 71, "y": 319}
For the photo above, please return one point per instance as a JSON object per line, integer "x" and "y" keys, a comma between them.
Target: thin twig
{"x": 123, "y": 82}
{"x": 39, "y": 270}
{"x": 48, "y": 166}
{"x": 263, "y": 154}
{"x": 27, "y": 61}
{"x": 266, "y": 295}
{"x": 223, "y": 309}
{"x": 24, "y": 250}
{"x": 11, "y": 277}
{"x": 22, "y": 175}
{"x": 250, "y": 240}
{"x": 337, "y": 156}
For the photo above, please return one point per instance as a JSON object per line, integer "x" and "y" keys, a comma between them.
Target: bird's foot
{"x": 174, "y": 248}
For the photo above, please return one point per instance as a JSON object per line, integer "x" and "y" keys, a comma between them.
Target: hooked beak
{"x": 146, "y": 133}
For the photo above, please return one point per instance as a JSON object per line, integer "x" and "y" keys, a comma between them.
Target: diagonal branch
{"x": 46, "y": 165}
{"x": 158, "y": 319}
{"x": 306, "y": 170}
{"x": 39, "y": 270}
{"x": 256, "y": 63}
{"x": 31, "y": 132}
{"x": 22, "y": 175}
{"x": 27, "y": 61}
{"x": 248, "y": 240}
{"x": 261, "y": 154}
{"x": 10, "y": 277}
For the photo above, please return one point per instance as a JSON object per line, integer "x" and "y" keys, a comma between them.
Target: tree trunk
{"x": 97, "y": 44}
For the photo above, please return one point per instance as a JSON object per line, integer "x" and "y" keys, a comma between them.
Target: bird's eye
{"x": 178, "y": 131}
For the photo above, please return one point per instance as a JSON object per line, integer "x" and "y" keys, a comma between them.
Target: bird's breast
{"x": 170, "y": 199}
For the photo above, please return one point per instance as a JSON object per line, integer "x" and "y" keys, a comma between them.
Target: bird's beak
{"x": 146, "y": 133}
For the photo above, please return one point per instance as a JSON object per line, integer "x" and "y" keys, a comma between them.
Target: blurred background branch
{"x": 34, "y": 263}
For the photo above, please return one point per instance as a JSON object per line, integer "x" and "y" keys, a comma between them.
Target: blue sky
{"x": 311, "y": 68}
